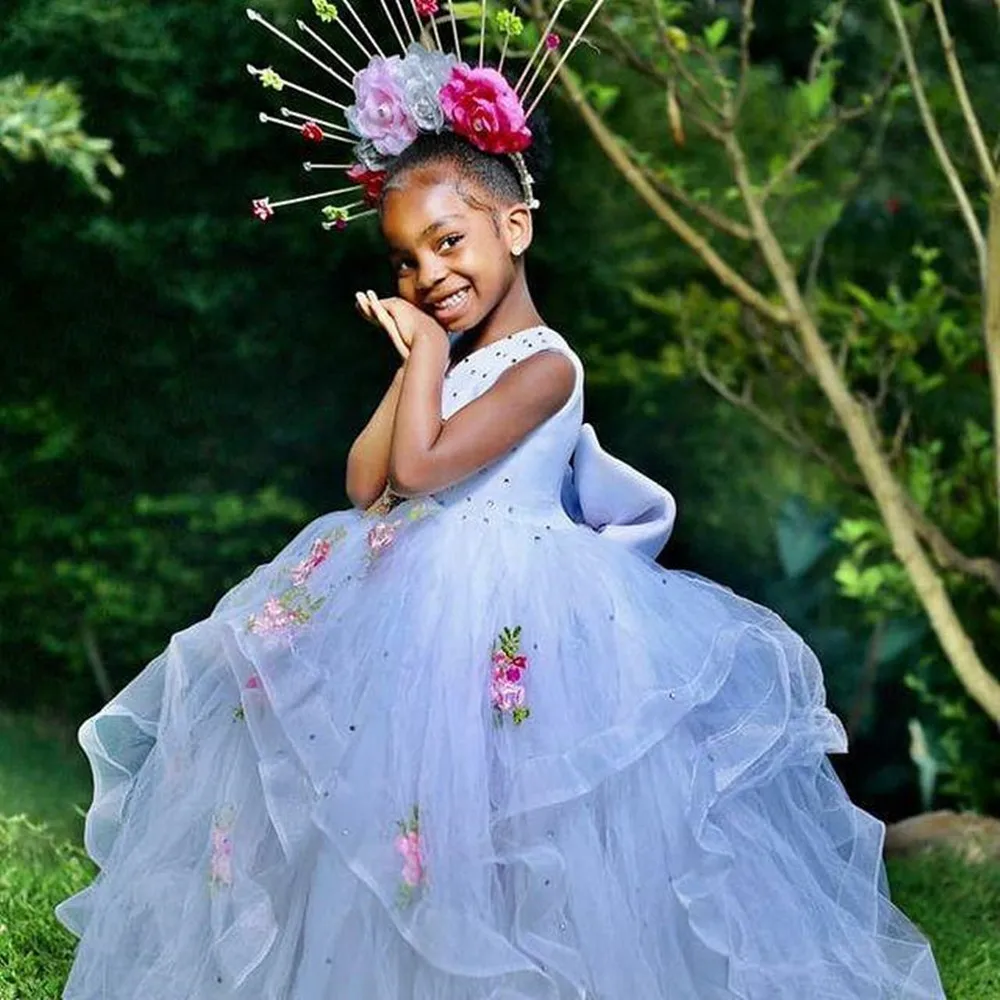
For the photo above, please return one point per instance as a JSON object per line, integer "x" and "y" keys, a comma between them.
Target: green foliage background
{"x": 182, "y": 384}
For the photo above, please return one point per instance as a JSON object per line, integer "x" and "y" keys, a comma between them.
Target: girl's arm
{"x": 428, "y": 453}
{"x": 368, "y": 459}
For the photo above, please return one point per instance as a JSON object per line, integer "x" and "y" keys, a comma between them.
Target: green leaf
{"x": 715, "y": 33}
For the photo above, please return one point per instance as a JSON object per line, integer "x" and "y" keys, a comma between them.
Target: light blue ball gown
{"x": 480, "y": 746}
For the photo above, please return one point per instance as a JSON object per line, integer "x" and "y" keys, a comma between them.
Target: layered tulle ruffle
{"x": 447, "y": 757}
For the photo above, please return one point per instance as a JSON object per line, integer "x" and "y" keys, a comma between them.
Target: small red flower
{"x": 552, "y": 41}
{"x": 371, "y": 181}
{"x": 426, "y": 8}
{"x": 312, "y": 132}
{"x": 262, "y": 208}
{"x": 340, "y": 224}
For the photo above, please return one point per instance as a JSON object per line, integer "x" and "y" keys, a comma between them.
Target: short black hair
{"x": 494, "y": 173}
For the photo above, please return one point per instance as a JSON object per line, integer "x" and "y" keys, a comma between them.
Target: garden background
{"x": 772, "y": 232}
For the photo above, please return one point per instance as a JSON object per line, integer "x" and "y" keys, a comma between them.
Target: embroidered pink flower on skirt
{"x": 221, "y": 863}
{"x": 381, "y": 536}
{"x": 318, "y": 552}
{"x": 408, "y": 845}
{"x": 507, "y": 694}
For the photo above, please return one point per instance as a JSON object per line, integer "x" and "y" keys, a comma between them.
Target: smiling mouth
{"x": 453, "y": 301}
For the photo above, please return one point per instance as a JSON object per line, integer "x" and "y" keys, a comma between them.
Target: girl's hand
{"x": 367, "y": 303}
{"x": 402, "y": 320}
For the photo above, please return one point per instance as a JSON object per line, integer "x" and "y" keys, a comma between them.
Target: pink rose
{"x": 426, "y": 8}
{"x": 482, "y": 107}
{"x": 262, "y": 208}
{"x": 380, "y": 113}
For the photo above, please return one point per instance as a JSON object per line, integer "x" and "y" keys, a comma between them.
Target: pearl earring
{"x": 516, "y": 251}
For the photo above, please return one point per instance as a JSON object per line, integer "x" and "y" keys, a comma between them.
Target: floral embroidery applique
{"x": 282, "y": 614}
{"x": 294, "y": 606}
{"x": 382, "y": 534}
{"x": 220, "y": 867}
{"x": 409, "y": 845}
{"x": 252, "y": 684}
{"x": 318, "y": 551}
{"x": 507, "y": 679}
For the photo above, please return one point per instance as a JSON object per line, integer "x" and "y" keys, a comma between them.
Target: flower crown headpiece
{"x": 398, "y": 97}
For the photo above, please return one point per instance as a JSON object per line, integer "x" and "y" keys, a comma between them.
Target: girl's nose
{"x": 429, "y": 274}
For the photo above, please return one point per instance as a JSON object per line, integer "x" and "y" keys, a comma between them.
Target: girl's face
{"x": 452, "y": 260}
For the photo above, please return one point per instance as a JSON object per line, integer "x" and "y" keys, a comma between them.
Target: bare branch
{"x": 719, "y": 220}
{"x": 796, "y": 439}
{"x": 616, "y": 152}
{"x": 991, "y": 323}
{"x": 824, "y": 48}
{"x": 870, "y": 158}
{"x": 630, "y": 57}
{"x": 799, "y": 157}
{"x": 937, "y": 141}
{"x": 746, "y": 32}
{"x": 961, "y": 92}
{"x": 680, "y": 66}
{"x": 842, "y": 117}
{"x": 946, "y": 554}
{"x": 899, "y": 436}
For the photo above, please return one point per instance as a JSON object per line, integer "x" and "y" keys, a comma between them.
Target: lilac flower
{"x": 380, "y": 112}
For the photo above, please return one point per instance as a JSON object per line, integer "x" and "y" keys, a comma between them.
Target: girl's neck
{"x": 514, "y": 312}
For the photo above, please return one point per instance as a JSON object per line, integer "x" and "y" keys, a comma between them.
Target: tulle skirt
{"x": 442, "y": 757}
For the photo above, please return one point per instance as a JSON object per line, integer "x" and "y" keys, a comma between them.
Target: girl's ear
{"x": 517, "y": 229}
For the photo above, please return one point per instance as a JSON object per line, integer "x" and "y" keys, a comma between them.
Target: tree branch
{"x": 719, "y": 220}
{"x": 937, "y": 141}
{"x": 945, "y": 552}
{"x": 991, "y": 323}
{"x": 958, "y": 82}
{"x": 746, "y": 32}
{"x": 880, "y": 480}
{"x": 842, "y": 117}
{"x": 681, "y": 67}
{"x": 615, "y": 151}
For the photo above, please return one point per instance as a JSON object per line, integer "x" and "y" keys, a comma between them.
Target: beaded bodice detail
{"x": 524, "y": 483}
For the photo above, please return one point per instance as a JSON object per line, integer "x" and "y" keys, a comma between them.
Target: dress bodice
{"x": 527, "y": 481}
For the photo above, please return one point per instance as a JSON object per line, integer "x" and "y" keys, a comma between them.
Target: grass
{"x": 44, "y": 778}
{"x": 43, "y": 774}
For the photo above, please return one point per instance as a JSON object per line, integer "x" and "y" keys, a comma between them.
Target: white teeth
{"x": 452, "y": 300}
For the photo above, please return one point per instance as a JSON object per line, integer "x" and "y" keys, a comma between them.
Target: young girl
{"x": 467, "y": 740}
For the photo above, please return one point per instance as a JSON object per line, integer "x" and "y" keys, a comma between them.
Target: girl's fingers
{"x": 387, "y": 322}
{"x": 364, "y": 307}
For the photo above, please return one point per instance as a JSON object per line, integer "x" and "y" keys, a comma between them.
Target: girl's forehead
{"x": 420, "y": 202}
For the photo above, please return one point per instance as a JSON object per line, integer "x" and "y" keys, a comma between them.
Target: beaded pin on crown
{"x": 390, "y": 100}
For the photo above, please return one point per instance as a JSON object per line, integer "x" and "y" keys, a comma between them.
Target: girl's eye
{"x": 449, "y": 241}
{"x": 402, "y": 266}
